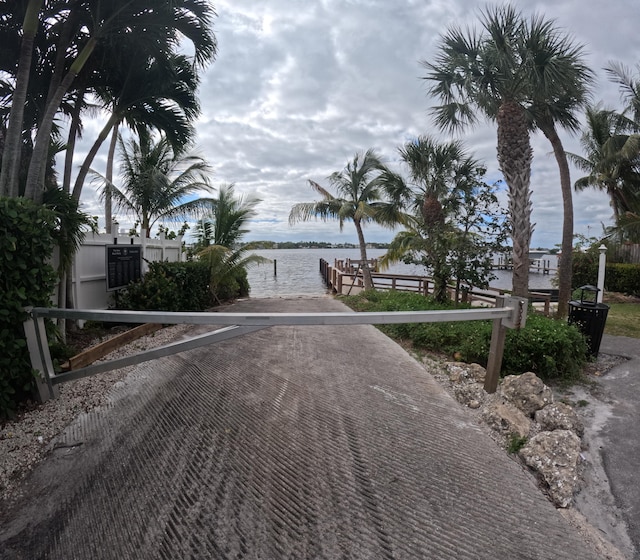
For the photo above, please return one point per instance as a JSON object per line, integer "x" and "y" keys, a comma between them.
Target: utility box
{"x": 589, "y": 316}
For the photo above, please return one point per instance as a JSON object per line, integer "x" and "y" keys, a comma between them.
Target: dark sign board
{"x": 123, "y": 265}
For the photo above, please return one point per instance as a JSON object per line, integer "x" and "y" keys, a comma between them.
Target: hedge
{"x": 624, "y": 278}
{"x": 26, "y": 278}
{"x": 180, "y": 286}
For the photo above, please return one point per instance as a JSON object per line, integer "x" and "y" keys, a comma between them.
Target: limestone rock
{"x": 554, "y": 456}
{"x": 462, "y": 373}
{"x": 457, "y": 372}
{"x": 506, "y": 419}
{"x": 559, "y": 416}
{"x": 526, "y": 391}
{"x": 477, "y": 372}
{"x": 470, "y": 394}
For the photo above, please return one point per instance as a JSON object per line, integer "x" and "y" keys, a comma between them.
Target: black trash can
{"x": 590, "y": 317}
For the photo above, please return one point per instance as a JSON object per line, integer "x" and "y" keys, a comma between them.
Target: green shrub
{"x": 623, "y": 278}
{"x": 181, "y": 286}
{"x": 619, "y": 277}
{"x": 516, "y": 443}
{"x": 26, "y": 279}
{"x": 548, "y": 347}
{"x": 585, "y": 268}
{"x": 235, "y": 285}
{"x": 177, "y": 286}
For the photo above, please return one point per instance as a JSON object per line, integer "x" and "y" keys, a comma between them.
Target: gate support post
{"x": 498, "y": 333}
{"x": 496, "y": 351}
{"x": 36, "y": 334}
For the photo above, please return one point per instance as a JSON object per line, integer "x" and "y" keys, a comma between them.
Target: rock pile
{"x": 523, "y": 408}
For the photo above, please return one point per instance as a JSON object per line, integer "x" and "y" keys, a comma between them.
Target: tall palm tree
{"x": 560, "y": 88}
{"x": 107, "y": 23}
{"x": 158, "y": 95}
{"x": 360, "y": 198}
{"x": 13, "y": 139}
{"x": 156, "y": 181}
{"x": 487, "y": 73}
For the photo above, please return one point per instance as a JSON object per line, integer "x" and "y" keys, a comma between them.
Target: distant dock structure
{"x": 537, "y": 263}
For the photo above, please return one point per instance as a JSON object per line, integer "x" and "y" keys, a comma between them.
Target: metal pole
{"x": 275, "y": 267}
{"x": 602, "y": 265}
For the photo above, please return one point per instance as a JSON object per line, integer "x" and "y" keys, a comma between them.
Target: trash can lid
{"x": 589, "y": 288}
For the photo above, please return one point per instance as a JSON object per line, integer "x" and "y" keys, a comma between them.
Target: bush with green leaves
{"x": 623, "y": 278}
{"x": 26, "y": 279}
{"x": 585, "y": 268}
{"x": 180, "y": 286}
{"x": 548, "y": 347}
{"x": 169, "y": 286}
{"x": 619, "y": 277}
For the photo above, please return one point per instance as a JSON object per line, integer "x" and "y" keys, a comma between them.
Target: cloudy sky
{"x": 300, "y": 86}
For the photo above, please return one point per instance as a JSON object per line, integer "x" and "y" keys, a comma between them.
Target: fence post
{"x": 602, "y": 266}
{"x": 496, "y": 351}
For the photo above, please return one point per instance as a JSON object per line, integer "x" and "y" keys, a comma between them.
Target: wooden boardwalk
{"x": 345, "y": 278}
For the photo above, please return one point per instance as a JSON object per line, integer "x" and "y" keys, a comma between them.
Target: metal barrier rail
{"x": 510, "y": 314}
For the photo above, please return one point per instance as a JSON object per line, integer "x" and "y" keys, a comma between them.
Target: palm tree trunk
{"x": 565, "y": 267}
{"x": 13, "y": 140}
{"x": 109, "y": 176}
{"x": 86, "y": 164}
{"x": 514, "y": 157}
{"x": 74, "y": 127}
{"x": 34, "y": 186}
{"x": 366, "y": 271}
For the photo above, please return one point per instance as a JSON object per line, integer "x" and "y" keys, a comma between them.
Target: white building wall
{"x": 89, "y": 270}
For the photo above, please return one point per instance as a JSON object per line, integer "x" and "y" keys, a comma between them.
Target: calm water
{"x": 298, "y": 271}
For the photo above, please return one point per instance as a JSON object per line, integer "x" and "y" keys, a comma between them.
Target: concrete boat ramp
{"x": 291, "y": 442}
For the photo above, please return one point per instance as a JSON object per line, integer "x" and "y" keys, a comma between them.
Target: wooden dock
{"x": 540, "y": 266}
{"x": 344, "y": 277}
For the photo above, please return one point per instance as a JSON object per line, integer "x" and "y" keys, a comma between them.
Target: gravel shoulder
{"x": 27, "y": 439}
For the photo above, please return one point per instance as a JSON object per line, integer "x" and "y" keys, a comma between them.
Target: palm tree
{"x": 451, "y": 207}
{"x": 360, "y": 197}
{"x": 629, "y": 89}
{"x": 560, "y": 86}
{"x": 219, "y": 235}
{"x": 226, "y": 222}
{"x": 156, "y": 181}
{"x": 612, "y": 161}
{"x": 89, "y": 26}
{"x": 435, "y": 170}
{"x": 13, "y": 139}
{"x": 487, "y": 74}
{"x": 159, "y": 95}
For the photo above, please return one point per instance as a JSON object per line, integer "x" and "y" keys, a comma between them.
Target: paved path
{"x": 292, "y": 442}
{"x": 620, "y": 434}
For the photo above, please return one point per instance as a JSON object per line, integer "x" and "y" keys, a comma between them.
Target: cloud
{"x": 300, "y": 86}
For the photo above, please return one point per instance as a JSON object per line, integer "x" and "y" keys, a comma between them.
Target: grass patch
{"x": 623, "y": 320}
{"x": 516, "y": 443}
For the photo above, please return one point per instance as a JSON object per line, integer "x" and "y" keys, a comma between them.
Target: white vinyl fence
{"x": 89, "y": 268}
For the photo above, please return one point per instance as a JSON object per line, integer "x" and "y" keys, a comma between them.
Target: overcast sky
{"x": 300, "y": 86}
